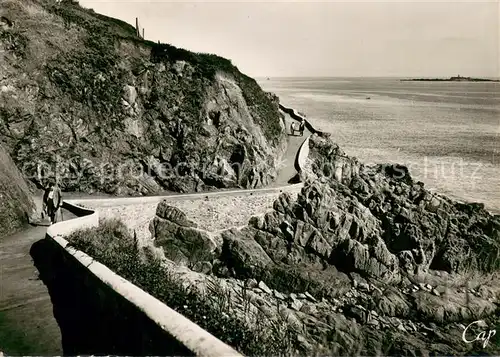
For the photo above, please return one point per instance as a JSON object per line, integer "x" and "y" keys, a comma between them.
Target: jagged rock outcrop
{"x": 424, "y": 230}
{"x": 370, "y": 221}
{"x": 367, "y": 258}
{"x": 180, "y": 239}
{"x": 16, "y": 204}
{"x": 83, "y": 97}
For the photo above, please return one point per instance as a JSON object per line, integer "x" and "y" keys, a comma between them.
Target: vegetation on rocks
{"x": 363, "y": 262}
{"x": 84, "y": 98}
{"x": 365, "y": 318}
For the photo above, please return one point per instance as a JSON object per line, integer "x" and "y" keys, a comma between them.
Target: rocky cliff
{"x": 364, "y": 261}
{"x": 82, "y": 96}
{"x": 16, "y": 204}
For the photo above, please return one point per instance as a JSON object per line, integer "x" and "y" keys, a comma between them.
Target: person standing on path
{"x": 52, "y": 199}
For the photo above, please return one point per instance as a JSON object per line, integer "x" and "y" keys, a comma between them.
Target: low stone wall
{"x": 302, "y": 154}
{"x": 86, "y": 218}
{"x": 213, "y": 211}
{"x": 99, "y": 312}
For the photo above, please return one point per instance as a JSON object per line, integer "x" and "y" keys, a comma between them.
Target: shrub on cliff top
{"x": 72, "y": 13}
{"x": 109, "y": 96}
{"x": 206, "y": 65}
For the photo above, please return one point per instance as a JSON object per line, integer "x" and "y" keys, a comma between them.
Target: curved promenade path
{"x": 288, "y": 170}
{"x": 27, "y": 323}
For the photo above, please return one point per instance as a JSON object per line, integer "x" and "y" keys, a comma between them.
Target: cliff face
{"x": 15, "y": 199}
{"x": 107, "y": 111}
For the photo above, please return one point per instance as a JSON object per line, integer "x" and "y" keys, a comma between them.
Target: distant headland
{"x": 451, "y": 79}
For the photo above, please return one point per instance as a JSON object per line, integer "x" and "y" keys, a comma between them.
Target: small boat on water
{"x": 368, "y": 98}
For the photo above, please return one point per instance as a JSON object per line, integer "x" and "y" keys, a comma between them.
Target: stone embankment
{"x": 212, "y": 210}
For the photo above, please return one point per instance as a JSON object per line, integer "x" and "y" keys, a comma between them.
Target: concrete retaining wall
{"x": 99, "y": 312}
{"x": 86, "y": 218}
{"x": 106, "y": 202}
{"x": 302, "y": 154}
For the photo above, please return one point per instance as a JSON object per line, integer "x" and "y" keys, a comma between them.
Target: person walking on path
{"x": 52, "y": 199}
{"x": 302, "y": 126}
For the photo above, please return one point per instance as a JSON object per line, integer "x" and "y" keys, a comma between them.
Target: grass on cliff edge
{"x": 112, "y": 245}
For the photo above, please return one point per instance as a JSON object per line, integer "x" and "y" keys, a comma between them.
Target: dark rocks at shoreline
{"x": 387, "y": 262}
{"x": 425, "y": 230}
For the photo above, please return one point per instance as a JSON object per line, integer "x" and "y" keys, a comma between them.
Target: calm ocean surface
{"x": 448, "y": 134}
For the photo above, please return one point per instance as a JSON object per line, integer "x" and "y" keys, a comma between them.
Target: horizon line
{"x": 387, "y": 76}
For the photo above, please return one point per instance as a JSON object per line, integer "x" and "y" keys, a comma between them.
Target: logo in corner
{"x": 483, "y": 336}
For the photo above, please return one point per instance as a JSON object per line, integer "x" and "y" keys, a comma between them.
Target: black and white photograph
{"x": 249, "y": 178}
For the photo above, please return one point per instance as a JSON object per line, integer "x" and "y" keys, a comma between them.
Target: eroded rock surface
{"x": 16, "y": 204}
{"x": 110, "y": 112}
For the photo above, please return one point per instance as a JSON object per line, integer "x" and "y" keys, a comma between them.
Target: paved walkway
{"x": 27, "y": 323}
{"x": 288, "y": 169}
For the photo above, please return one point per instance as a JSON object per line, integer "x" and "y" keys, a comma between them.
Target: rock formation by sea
{"x": 363, "y": 258}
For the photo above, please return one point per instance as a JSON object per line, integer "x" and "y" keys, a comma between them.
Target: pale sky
{"x": 337, "y": 39}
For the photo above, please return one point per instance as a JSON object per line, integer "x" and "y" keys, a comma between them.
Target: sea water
{"x": 447, "y": 133}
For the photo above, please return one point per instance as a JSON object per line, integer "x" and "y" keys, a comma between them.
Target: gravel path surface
{"x": 210, "y": 213}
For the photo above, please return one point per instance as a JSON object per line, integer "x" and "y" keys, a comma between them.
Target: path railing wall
{"x": 302, "y": 154}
